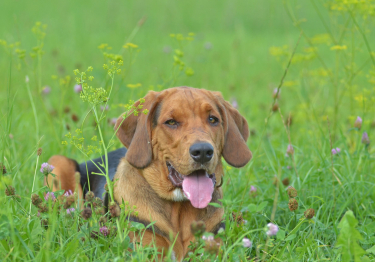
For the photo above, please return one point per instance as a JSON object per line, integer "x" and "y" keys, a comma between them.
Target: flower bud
{"x": 90, "y": 196}
{"x": 365, "y": 138}
{"x": 39, "y": 152}
{"x": 293, "y": 204}
{"x": 358, "y": 123}
{"x": 292, "y": 192}
{"x": 309, "y": 213}
{"x": 290, "y": 150}
{"x": 10, "y": 191}
{"x": 36, "y": 200}
{"x": 86, "y": 213}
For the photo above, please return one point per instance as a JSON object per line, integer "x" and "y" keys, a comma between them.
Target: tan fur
{"x": 66, "y": 177}
{"x": 142, "y": 175}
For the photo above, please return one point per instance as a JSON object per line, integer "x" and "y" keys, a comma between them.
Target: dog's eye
{"x": 213, "y": 120}
{"x": 171, "y": 122}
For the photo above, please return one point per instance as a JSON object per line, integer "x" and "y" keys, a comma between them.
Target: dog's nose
{"x": 201, "y": 152}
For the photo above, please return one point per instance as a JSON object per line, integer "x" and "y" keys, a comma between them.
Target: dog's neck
{"x": 148, "y": 194}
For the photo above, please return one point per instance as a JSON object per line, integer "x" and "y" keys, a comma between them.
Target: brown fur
{"x": 142, "y": 175}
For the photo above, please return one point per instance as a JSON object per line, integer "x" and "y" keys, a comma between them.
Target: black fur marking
{"x": 156, "y": 115}
{"x": 216, "y": 228}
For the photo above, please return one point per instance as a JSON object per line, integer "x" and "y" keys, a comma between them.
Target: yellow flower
{"x": 134, "y": 85}
{"x": 131, "y": 45}
{"x": 339, "y": 47}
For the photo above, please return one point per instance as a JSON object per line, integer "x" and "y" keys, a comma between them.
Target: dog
{"x": 171, "y": 167}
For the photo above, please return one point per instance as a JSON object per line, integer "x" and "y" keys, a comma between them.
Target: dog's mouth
{"x": 198, "y": 186}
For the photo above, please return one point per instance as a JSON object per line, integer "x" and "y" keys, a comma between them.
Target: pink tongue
{"x": 198, "y": 188}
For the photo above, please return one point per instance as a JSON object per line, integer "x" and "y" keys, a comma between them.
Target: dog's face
{"x": 182, "y": 139}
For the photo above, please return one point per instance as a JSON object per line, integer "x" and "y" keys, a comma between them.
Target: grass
{"x": 240, "y": 48}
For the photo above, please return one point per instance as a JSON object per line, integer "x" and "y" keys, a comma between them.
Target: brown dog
{"x": 172, "y": 169}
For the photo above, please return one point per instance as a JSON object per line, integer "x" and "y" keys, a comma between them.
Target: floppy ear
{"x": 134, "y": 132}
{"x": 235, "y": 151}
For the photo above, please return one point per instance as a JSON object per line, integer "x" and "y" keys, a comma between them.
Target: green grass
{"x": 240, "y": 48}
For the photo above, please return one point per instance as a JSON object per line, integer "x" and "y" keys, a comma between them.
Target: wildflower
{"x": 234, "y": 103}
{"x": 358, "y": 123}
{"x": 276, "y": 94}
{"x": 293, "y": 204}
{"x": 102, "y": 108}
{"x": 290, "y": 150}
{"x": 39, "y": 152}
{"x": 3, "y": 169}
{"x": 46, "y": 90}
{"x": 309, "y": 213}
{"x": 46, "y": 168}
{"x": 335, "y": 151}
{"x": 198, "y": 228}
{"x": 104, "y": 230}
{"x": 114, "y": 209}
{"x": 49, "y": 196}
{"x": 68, "y": 193}
{"x": 272, "y": 229}
{"x": 70, "y": 211}
{"x": 365, "y": 138}
{"x": 89, "y": 196}
{"x": 86, "y": 213}
{"x": 292, "y": 192}
{"x": 10, "y": 191}
{"x": 211, "y": 246}
{"x": 208, "y": 238}
{"x": 246, "y": 243}
{"x": 253, "y": 189}
{"x": 78, "y": 88}
{"x": 207, "y": 45}
{"x": 285, "y": 181}
{"x": 275, "y": 107}
{"x": 35, "y": 200}
{"x": 75, "y": 118}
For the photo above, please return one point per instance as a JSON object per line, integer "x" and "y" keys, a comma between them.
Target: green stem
{"x": 32, "y": 189}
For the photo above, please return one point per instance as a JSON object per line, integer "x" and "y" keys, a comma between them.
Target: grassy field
{"x": 241, "y": 48}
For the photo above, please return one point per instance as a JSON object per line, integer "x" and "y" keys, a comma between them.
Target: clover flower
{"x": 272, "y": 229}
{"x": 68, "y": 193}
{"x": 358, "y": 122}
{"x": 246, "y": 243}
{"x": 104, "y": 230}
{"x": 46, "y": 168}
{"x": 253, "y": 189}
{"x": 365, "y": 138}
{"x": 70, "y": 211}
{"x": 290, "y": 150}
{"x": 78, "y": 88}
{"x": 335, "y": 151}
{"x": 49, "y": 196}
{"x": 46, "y": 90}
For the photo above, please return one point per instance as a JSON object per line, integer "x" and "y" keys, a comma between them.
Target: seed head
{"x": 86, "y": 213}
{"x": 97, "y": 202}
{"x": 309, "y": 213}
{"x": 10, "y": 191}
{"x": 99, "y": 211}
{"x": 102, "y": 220}
{"x": 90, "y": 196}
{"x": 39, "y": 152}
{"x": 275, "y": 107}
{"x": 114, "y": 209}
{"x": 75, "y": 118}
{"x": 293, "y": 204}
{"x": 292, "y": 192}
{"x": 198, "y": 228}
{"x": 211, "y": 246}
{"x": 365, "y": 138}
{"x": 285, "y": 181}
{"x": 36, "y": 200}
{"x": 358, "y": 122}
{"x": 2, "y": 168}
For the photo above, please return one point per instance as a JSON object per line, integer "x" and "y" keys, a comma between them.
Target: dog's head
{"x": 182, "y": 138}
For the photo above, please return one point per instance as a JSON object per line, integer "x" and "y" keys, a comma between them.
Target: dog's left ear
{"x": 134, "y": 132}
{"x": 235, "y": 151}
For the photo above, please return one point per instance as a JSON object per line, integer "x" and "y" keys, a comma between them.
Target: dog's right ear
{"x": 134, "y": 132}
